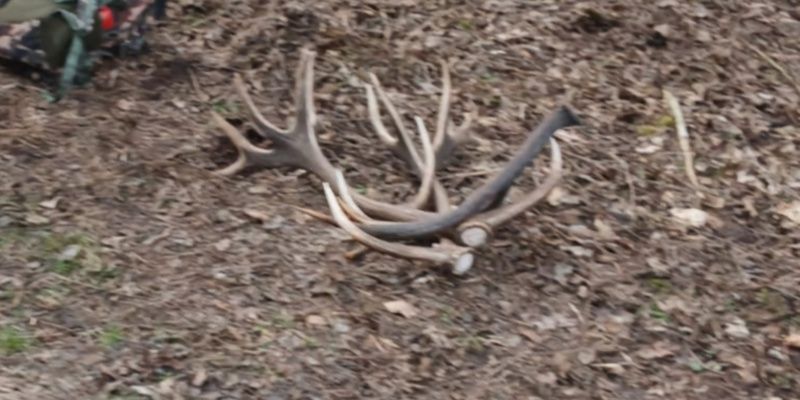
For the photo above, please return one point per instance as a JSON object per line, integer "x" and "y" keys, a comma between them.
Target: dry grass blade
{"x": 774, "y": 64}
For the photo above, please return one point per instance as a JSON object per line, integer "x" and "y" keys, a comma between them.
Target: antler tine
{"x": 460, "y": 259}
{"x": 429, "y": 169}
{"x": 443, "y": 119}
{"x": 404, "y": 147}
{"x": 265, "y": 128}
{"x": 476, "y": 231}
{"x": 447, "y": 138}
{"x": 455, "y": 137}
{"x": 249, "y": 154}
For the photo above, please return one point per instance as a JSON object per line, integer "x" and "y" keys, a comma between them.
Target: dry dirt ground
{"x": 130, "y": 271}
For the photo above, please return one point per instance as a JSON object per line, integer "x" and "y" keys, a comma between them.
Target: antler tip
{"x": 570, "y": 117}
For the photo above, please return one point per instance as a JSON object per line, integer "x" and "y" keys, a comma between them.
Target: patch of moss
{"x": 465, "y": 24}
{"x": 659, "y": 286}
{"x": 13, "y": 341}
{"x": 658, "y": 314}
{"x": 111, "y": 336}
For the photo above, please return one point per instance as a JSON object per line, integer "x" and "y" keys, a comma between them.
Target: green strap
{"x": 81, "y": 23}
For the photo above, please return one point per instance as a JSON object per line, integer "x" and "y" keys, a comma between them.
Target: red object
{"x": 107, "y": 20}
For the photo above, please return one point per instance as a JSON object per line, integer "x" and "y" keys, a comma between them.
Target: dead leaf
{"x": 604, "y": 230}
{"x": 223, "y": 245}
{"x": 737, "y": 329}
{"x": 664, "y": 30}
{"x": 561, "y": 362}
{"x": 401, "y": 307}
{"x": 587, "y": 357}
{"x": 793, "y": 340}
{"x": 747, "y": 376}
{"x": 35, "y": 219}
{"x": 791, "y": 211}
{"x": 547, "y": 378}
{"x": 691, "y": 217}
{"x": 258, "y": 189}
{"x": 315, "y": 320}
{"x": 50, "y": 204}
{"x": 578, "y": 251}
{"x": 200, "y": 377}
{"x": 530, "y": 335}
{"x": 125, "y": 105}
{"x": 648, "y": 149}
{"x": 659, "y": 350}
{"x": 612, "y": 368}
{"x": 256, "y": 214}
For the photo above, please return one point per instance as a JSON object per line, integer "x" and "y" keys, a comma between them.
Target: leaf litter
{"x": 623, "y": 284}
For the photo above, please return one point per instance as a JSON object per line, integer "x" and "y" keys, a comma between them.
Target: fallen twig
{"x": 774, "y": 64}
{"x": 683, "y": 137}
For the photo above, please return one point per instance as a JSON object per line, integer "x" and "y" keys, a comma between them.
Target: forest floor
{"x": 128, "y": 270}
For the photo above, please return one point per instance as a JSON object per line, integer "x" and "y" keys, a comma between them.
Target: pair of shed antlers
{"x": 382, "y": 226}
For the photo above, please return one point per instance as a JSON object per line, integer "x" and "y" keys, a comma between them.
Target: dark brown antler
{"x": 297, "y": 147}
{"x": 478, "y": 230}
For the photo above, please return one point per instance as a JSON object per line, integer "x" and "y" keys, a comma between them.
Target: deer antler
{"x": 297, "y": 146}
{"x": 378, "y": 222}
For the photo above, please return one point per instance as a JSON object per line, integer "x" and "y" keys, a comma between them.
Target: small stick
{"x": 683, "y": 138}
{"x": 786, "y": 75}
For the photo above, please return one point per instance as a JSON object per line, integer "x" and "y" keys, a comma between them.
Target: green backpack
{"x": 63, "y": 35}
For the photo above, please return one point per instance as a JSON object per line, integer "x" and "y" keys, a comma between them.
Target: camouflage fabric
{"x": 21, "y": 43}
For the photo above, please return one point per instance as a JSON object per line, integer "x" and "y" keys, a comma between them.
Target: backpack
{"x": 66, "y": 35}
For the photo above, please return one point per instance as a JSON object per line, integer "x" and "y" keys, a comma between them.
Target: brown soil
{"x": 129, "y": 271}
